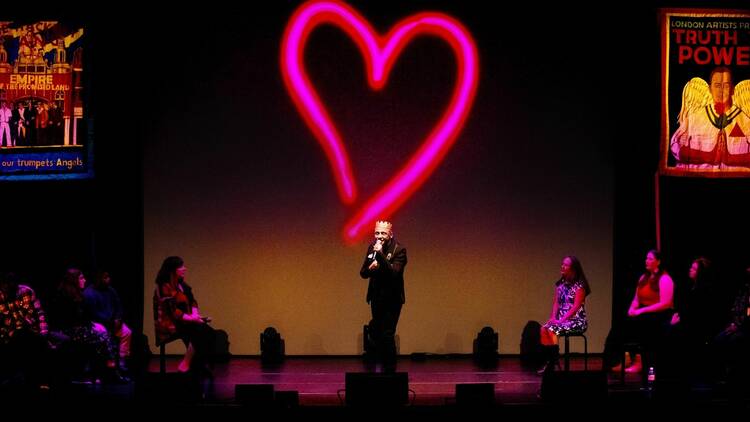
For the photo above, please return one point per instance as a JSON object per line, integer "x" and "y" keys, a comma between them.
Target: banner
{"x": 43, "y": 131}
{"x": 705, "y": 93}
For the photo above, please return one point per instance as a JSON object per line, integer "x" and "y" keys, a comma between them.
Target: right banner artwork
{"x": 705, "y": 68}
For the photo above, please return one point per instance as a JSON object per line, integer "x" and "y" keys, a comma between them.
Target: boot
{"x": 551, "y": 355}
{"x": 636, "y": 366}
{"x": 628, "y": 360}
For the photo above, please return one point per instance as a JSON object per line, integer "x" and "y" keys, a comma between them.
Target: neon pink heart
{"x": 380, "y": 53}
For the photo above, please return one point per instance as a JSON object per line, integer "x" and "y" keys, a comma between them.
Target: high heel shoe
{"x": 544, "y": 368}
{"x": 551, "y": 357}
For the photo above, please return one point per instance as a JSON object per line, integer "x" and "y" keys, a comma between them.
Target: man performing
{"x": 384, "y": 265}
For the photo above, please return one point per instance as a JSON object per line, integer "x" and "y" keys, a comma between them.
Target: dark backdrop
{"x": 146, "y": 69}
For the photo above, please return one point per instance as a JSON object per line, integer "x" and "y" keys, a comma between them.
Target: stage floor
{"x": 320, "y": 381}
{"x": 317, "y": 385}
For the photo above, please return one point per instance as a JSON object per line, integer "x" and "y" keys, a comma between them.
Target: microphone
{"x": 374, "y": 252}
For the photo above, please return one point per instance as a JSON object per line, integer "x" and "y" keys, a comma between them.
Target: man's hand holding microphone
{"x": 377, "y": 247}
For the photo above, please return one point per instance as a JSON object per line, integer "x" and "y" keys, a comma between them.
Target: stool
{"x": 162, "y": 359}
{"x": 567, "y": 337}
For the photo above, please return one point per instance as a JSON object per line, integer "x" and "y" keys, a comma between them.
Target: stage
{"x": 318, "y": 385}
{"x": 320, "y": 382}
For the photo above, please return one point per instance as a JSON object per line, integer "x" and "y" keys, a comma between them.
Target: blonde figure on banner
{"x": 30, "y": 48}
{"x": 714, "y": 131}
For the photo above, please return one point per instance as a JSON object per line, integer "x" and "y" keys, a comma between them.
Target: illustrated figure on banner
{"x": 30, "y": 47}
{"x": 714, "y": 124}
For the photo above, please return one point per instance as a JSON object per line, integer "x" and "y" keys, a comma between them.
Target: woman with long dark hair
{"x": 71, "y": 325}
{"x": 176, "y": 315}
{"x": 568, "y": 311}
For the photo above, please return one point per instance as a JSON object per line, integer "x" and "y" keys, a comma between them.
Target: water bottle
{"x": 650, "y": 379}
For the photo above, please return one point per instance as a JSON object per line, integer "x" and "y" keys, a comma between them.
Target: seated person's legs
{"x": 125, "y": 335}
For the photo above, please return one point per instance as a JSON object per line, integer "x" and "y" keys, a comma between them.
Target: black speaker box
{"x": 558, "y": 386}
{"x": 170, "y": 387}
{"x": 272, "y": 347}
{"x": 474, "y": 395}
{"x": 287, "y": 399}
{"x": 254, "y": 394}
{"x": 365, "y": 389}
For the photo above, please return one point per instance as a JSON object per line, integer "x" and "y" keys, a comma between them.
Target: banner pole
{"x": 657, "y": 210}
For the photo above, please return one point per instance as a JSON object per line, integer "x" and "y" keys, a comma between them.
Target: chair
{"x": 567, "y": 337}
{"x": 163, "y": 354}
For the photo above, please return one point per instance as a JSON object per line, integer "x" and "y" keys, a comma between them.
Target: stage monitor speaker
{"x": 366, "y": 389}
{"x": 563, "y": 386}
{"x": 258, "y": 395}
{"x": 485, "y": 347}
{"x": 287, "y": 399}
{"x": 169, "y": 387}
{"x": 271, "y": 347}
{"x": 475, "y": 395}
{"x": 531, "y": 351}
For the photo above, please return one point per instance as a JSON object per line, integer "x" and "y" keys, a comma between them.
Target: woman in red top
{"x": 176, "y": 315}
{"x": 650, "y": 311}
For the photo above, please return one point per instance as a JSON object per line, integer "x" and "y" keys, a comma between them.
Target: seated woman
{"x": 650, "y": 312}
{"x": 23, "y": 333}
{"x": 176, "y": 315}
{"x": 71, "y": 325}
{"x": 691, "y": 298}
{"x": 103, "y": 305}
{"x": 568, "y": 310}
{"x": 733, "y": 342}
{"x": 699, "y": 315}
